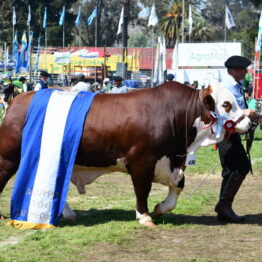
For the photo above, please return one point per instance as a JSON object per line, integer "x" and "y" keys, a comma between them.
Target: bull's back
{"x": 120, "y": 125}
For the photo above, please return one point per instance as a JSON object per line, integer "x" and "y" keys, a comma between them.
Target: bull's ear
{"x": 207, "y": 99}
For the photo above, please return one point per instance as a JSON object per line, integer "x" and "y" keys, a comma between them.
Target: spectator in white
{"x": 118, "y": 86}
{"x": 42, "y": 84}
{"x": 107, "y": 86}
{"x": 81, "y": 84}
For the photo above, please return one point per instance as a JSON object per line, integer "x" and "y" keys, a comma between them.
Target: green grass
{"x": 110, "y": 221}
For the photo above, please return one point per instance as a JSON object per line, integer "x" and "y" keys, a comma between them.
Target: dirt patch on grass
{"x": 196, "y": 238}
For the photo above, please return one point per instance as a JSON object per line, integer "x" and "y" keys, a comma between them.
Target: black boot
{"x": 228, "y": 191}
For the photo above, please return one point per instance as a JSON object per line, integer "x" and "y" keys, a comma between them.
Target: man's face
{"x": 44, "y": 78}
{"x": 238, "y": 73}
{"x": 117, "y": 83}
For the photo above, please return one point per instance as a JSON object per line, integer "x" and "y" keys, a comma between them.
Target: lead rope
{"x": 203, "y": 180}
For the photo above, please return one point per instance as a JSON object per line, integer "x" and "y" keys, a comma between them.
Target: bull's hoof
{"x": 148, "y": 224}
{"x": 145, "y": 219}
{"x": 157, "y": 211}
{"x": 1, "y": 217}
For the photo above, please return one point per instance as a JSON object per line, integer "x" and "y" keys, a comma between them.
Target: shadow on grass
{"x": 94, "y": 217}
{"x": 181, "y": 219}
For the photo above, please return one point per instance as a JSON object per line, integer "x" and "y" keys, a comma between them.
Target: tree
{"x": 202, "y": 30}
{"x": 171, "y": 23}
{"x": 54, "y": 31}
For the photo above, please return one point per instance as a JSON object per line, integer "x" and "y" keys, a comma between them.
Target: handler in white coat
{"x": 81, "y": 84}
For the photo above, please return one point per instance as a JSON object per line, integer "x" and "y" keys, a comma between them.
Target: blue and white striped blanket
{"x": 50, "y": 139}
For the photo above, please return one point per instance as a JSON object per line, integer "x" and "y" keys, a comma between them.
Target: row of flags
{"x": 152, "y": 20}
{"x": 62, "y": 17}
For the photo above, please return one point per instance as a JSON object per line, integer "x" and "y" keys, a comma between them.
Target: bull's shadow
{"x": 94, "y": 217}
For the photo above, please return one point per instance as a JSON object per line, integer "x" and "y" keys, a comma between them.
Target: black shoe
{"x": 222, "y": 219}
{"x": 226, "y": 213}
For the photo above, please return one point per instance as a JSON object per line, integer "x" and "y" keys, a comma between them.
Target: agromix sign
{"x": 206, "y": 54}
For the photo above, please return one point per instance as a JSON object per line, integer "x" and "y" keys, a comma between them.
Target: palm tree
{"x": 202, "y": 31}
{"x": 171, "y": 23}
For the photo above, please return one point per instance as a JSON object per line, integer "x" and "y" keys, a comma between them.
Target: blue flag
{"x": 38, "y": 53}
{"x": 78, "y": 19}
{"x": 22, "y": 61}
{"x": 44, "y": 20}
{"x": 62, "y": 17}
{"x": 28, "y": 56}
{"x": 15, "y": 54}
{"x": 92, "y": 16}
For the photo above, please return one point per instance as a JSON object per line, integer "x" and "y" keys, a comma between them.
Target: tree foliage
{"x": 208, "y": 21}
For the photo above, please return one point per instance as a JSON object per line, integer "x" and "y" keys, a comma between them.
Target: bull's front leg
{"x": 171, "y": 200}
{"x": 142, "y": 177}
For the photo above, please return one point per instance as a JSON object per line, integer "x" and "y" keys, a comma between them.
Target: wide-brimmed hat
{"x": 44, "y": 74}
{"x": 237, "y": 61}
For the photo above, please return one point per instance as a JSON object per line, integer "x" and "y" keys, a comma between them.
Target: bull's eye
{"x": 227, "y": 105}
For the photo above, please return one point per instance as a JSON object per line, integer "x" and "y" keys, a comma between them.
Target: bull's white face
{"x": 226, "y": 105}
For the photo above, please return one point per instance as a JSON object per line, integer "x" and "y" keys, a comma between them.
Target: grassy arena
{"x": 106, "y": 229}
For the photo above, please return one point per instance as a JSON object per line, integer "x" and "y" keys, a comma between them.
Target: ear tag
{"x": 191, "y": 159}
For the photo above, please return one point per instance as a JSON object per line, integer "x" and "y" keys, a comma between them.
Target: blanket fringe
{"x": 28, "y": 225}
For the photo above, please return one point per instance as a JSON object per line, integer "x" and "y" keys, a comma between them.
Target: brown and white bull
{"x": 147, "y": 133}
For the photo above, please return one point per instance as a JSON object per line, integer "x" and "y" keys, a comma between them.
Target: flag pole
{"x": 95, "y": 46}
{"x": 80, "y": 44}
{"x": 225, "y": 37}
{"x": 183, "y": 20}
{"x": 153, "y": 66}
{"x": 64, "y": 34}
{"x": 45, "y": 46}
{"x": 5, "y": 48}
{"x": 30, "y": 63}
{"x": 12, "y": 55}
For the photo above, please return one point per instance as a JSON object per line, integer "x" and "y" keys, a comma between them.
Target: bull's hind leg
{"x": 171, "y": 200}
{"x": 169, "y": 203}
{"x": 7, "y": 169}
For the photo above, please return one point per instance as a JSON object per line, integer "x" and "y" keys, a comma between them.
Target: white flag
{"x": 121, "y": 21}
{"x": 229, "y": 19}
{"x": 153, "y": 19}
{"x": 175, "y": 60}
{"x": 14, "y": 16}
{"x": 29, "y": 15}
{"x": 190, "y": 20}
{"x": 259, "y": 36}
{"x": 162, "y": 59}
{"x": 157, "y": 64}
